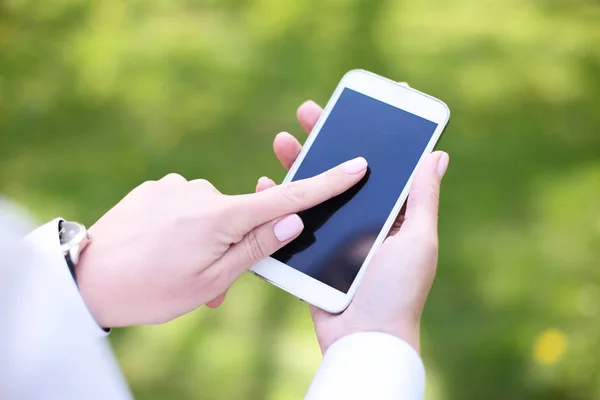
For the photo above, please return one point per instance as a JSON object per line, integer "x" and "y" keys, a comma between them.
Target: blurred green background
{"x": 98, "y": 96}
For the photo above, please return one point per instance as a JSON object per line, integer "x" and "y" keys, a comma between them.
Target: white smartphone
{"x": 394, "y": 127}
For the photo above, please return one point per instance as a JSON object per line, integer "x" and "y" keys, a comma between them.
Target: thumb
{"x": 423, "y": 200}
{"x": 263, "y": 184}
{"x": 260, "y": 243}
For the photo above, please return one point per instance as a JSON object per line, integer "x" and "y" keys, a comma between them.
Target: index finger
{"x": 290, "y": 198}
{"x": 308, "y": 114}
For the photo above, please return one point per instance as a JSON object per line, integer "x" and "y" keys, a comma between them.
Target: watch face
{"x": 69, "y": 231}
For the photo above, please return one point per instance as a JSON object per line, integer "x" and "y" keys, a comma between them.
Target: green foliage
{"x": 98, "y": 96}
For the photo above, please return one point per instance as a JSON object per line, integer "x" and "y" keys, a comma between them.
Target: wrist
{"x": 409, "y": 337}
{"x": 87, "y": 288}
{"x": 78, "y": 248}
{"x": 406, "y": 326}
{"x": 408, "y": 331}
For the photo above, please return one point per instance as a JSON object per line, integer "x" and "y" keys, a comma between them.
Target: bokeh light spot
{"x": 549, "y": 347}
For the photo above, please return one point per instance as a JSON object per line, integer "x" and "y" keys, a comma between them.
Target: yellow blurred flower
{"x": 549, "y": 347}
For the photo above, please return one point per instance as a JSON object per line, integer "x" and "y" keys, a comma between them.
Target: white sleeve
{"x": 59, "y": 283}
{"x": 369, "y": 365}
{"x": 50, "y": 345}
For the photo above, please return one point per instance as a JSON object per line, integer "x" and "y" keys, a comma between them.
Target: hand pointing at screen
{"x": 172, "y": 245}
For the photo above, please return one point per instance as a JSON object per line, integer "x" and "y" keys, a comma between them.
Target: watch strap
{"x": 67, "y": 254}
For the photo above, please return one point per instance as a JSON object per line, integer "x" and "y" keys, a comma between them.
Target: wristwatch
{"x": 74, "y": 237}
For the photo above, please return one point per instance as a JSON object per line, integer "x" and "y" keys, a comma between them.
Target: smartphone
{"x": 394, "y": 127}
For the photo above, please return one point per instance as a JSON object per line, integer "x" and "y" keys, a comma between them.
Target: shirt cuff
{"x": 369, "y": 365}
{"x": 45, "y": 243}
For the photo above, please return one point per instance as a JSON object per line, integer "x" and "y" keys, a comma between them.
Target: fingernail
{"x": 443, "y": 164}
{"x": 288, "y": 227}
{"x": 263, "y": 179}
{"x": 355, "y": 166}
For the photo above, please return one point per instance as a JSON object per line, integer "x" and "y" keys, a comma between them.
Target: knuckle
{"x": 254, "y": 247}
{"x": 331, "y": 178}
{"x": 202, "y": 182}
{"x": 293, "y": 192}
{"x": 173, "y": 178}
{"x": 427, "y": 195}
{"x": 434, "y": 194}
{"x": 204, "y": 185}
{"x": 146, "y": 186}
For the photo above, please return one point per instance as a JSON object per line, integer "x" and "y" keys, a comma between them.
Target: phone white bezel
{"x": 306, "y": 287}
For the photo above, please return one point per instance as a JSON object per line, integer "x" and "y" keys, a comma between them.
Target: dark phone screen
{"x": 339, "y": 233}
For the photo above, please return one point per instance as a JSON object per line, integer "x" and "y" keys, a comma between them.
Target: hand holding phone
{"x": 394, "y": 128}
{"x": 393, "y": 292}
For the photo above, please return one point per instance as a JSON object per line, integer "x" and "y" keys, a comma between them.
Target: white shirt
{"x": 51, "y": 347}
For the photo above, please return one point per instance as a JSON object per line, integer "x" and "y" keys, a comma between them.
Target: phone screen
{"x": 339, "y": 233}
